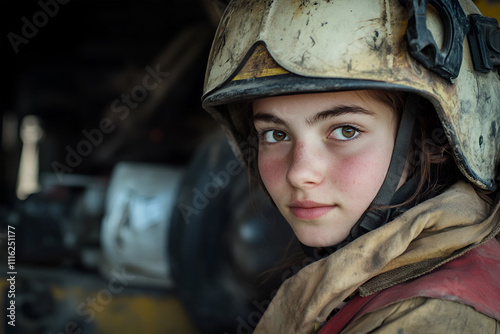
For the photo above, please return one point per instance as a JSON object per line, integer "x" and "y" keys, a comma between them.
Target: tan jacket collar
{"x": 422, "y": 238}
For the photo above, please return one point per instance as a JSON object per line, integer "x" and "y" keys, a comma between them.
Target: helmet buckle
{"x": 484, "y": 43}
{"x": 422, "y": 45}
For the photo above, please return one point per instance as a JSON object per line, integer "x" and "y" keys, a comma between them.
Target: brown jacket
{"x": 418, "y": 241}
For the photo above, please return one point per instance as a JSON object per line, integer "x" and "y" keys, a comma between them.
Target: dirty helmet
{"x": 442, "y": 50}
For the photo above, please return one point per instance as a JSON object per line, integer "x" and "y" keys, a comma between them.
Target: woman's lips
{"x": 308, "y": 210}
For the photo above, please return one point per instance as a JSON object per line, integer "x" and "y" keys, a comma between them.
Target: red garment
{"x": 472, "y": 279}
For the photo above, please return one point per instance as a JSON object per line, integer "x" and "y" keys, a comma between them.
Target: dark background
{"x": 85, "y": 57}
{"x": 68, "y": 67}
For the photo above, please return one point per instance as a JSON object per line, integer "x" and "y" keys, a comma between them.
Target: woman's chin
{"x": 312, "y": 236}
{"x": 318, "y": 242}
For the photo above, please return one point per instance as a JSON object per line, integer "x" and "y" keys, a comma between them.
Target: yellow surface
{"x": 489, "y": 8}
{"x": 129, "y": 313}
{"x": 141, "y": 314}
{"x": 260, "y": 64}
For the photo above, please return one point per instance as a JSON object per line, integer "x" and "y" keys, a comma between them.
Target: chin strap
{"x": 377, "y": 215}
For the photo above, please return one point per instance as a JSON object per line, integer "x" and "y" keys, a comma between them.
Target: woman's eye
{"x": 345, "y": 133}
{"x": 274, "y": 136}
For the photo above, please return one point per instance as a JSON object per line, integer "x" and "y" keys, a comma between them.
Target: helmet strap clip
{"x": 484, "y": 43}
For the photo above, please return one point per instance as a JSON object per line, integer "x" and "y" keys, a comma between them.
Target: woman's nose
{"x": 307, "y": 167}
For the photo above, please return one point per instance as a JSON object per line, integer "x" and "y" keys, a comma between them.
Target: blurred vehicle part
{"x": 224, "y": 233}
{"x": 135, "y": 228}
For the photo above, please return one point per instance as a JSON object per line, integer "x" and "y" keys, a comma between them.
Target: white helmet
{"x": 268, "y": 48}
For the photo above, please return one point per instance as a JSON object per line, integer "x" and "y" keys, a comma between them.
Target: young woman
{"x": 377, "y": 135}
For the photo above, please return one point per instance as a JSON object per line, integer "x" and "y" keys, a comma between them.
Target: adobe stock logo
{"x": 30, "y": 28}
{"x": 121, "y": 108}
{"x": 93, "y": 305}
{"x": 202, "y": 195}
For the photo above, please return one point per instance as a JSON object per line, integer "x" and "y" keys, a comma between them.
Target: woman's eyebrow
{"x": 337, "y": 111}
{"x": 268, "y": 118}
{"x": 329, "y": 113}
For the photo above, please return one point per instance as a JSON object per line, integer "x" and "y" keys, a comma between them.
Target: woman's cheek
{"x": 361, "y": 175}
{"x": 272, "y": 170}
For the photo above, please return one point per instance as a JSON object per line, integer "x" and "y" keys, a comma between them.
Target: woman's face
{"x": 323, "y": 157}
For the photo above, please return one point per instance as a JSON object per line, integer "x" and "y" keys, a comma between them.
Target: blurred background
{"x": 123, "y": 205}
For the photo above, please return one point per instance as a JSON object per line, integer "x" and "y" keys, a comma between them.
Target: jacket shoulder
{"x": 424, "y": 315}
{"x": 469, "y": 281}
